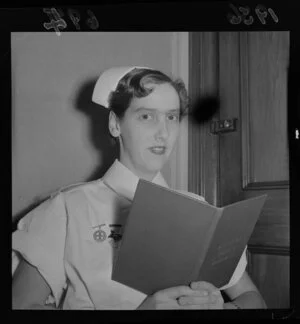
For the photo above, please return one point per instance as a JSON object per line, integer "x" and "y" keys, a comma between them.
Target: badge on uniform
{"x": 115, "y": 235}
{"x": 100, "y": 235}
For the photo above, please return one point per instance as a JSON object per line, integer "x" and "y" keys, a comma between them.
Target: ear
{"x": 113, "y": 124}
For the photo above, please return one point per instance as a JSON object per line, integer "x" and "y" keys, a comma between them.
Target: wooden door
{"x": 249, "y": 71}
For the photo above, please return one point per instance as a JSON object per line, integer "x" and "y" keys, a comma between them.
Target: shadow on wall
{"x": 99, "y": 132}
{"x": 99, "y": 136}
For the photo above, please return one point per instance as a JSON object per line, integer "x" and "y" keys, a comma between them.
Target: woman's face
{"x": 148, "y": 130}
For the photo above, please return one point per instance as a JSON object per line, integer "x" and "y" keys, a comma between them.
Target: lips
{"x": 159, "y": 150}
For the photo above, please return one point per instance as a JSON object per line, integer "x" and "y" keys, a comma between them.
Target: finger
{"x": 203, "y": 285}
{"x": 219, "y": 304}
{"x": 175, "y": 292}
{"x": 195, "y": 300}
{"x": 199, "y": 293}
{"x": 198, "y": 285}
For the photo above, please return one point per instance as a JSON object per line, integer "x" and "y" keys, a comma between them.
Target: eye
{"x": 173, "y": 117}
{"x": 146, "y": 117}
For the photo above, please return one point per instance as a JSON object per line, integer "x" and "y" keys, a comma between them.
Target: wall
{"x": 59, "y": 136}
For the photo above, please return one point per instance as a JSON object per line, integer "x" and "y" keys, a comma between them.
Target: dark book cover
{"x": 171, "y": 239}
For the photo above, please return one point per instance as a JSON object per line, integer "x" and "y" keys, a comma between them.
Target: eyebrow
{"x": 153, "y": 109}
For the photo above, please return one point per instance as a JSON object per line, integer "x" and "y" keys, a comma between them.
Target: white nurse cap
{"x": 108, "y": 82}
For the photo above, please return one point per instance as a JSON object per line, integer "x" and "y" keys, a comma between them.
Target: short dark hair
{"x": 132, "y": 85}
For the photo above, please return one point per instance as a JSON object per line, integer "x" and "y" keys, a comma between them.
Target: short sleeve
{"x": 40, "y": 240}
{"x": 238, "y": 272}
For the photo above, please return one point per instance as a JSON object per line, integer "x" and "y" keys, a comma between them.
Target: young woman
{"x": 67, "y": 244}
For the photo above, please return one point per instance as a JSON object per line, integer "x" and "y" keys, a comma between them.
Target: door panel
{"x": 265, "y": 62}
{"x": 272, "y": 228}
{"x": 264, "y": 270}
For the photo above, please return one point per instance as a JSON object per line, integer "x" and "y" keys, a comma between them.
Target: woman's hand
{"x": 184, "y": 297}
{"x": 214, "y": 302}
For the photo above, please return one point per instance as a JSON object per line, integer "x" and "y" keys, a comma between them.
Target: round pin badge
{"x": 100, "y": 235}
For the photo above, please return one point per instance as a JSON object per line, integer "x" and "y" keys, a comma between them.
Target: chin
{"x": 155, "y": 166}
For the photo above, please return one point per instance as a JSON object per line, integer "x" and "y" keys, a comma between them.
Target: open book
{"x": 171, "y": 239}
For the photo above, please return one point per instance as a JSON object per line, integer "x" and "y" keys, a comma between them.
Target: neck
{"x": 149, "y": 176}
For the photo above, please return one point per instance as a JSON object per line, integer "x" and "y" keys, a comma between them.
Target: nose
{"x": 162, "y": 131}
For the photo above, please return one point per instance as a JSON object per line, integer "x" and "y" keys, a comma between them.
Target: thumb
{"x": 203, "y": 285}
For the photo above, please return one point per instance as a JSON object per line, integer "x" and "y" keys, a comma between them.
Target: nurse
{"x": 67, "y": 245}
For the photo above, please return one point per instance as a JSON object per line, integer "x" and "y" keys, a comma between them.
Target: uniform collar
{"x": 124, "y": 182}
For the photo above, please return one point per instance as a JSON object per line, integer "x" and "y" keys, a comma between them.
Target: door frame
{"x": 203, "y": 148}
